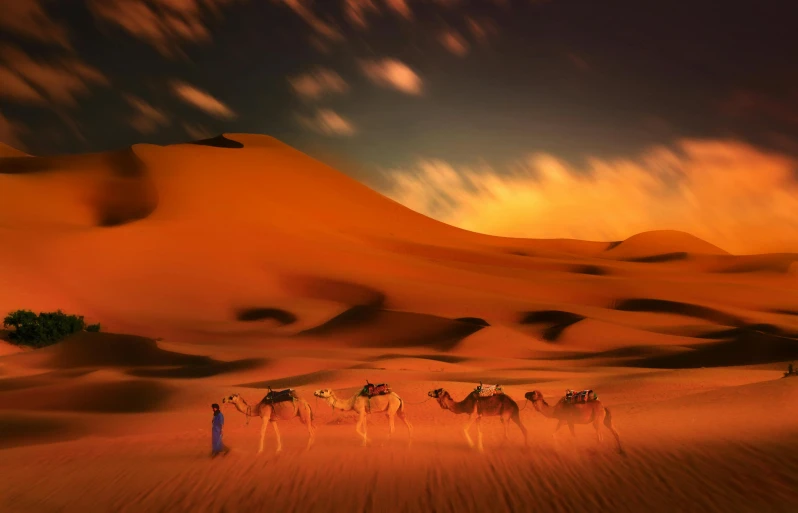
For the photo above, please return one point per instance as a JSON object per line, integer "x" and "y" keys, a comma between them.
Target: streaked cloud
{"x": 394, "y": 74}
{"x": 28, "y": 19}
{"x": 197, "y": 132}
{"x": 318, "y": 83}
{"x": 400, "y": 7}
{"x": 328, "y": 122}
{"x": 146, "y": 118}
{"x": 356, "y": 11}
{"x": 304, "y": 10}
{"x": 10, "y": 133}
{"x": 454, "y": 42}
{"x": 59, "y": 80}
{"x": 202, "y": 100}
{"x": 736, "y": 196}
{"x": 163, "y": 24}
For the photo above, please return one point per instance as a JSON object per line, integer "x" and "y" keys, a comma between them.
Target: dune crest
{"x": 663, "y": 243}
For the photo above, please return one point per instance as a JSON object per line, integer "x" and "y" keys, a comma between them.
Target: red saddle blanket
{"x": 371, "y": 390}
{"x": 580, "y": 397}
{"x": 488, "y": 390}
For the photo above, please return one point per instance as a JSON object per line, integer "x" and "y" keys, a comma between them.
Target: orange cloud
{"x": 393, "y": 73}
{"x": 304, "y": 11}
{"x": 731, "y": 194}
{"x": 328, "y": 122}
{"x": 318, "y": 83}
{"x": 147, "y": 118}
{"x": 164, "y": 24}
{"x": 202, "y": 100}
{"x": 27, "y": 18}
{"x": 355, "y": 11}
{"x": 400, "y": 7}
{"x": 62, "y": 80}
{"x": 454, "y": 42}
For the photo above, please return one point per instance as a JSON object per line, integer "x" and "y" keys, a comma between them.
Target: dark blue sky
{"x": 574, "y": 78}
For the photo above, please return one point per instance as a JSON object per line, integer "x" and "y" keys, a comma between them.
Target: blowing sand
{"x": 217, "y": 272}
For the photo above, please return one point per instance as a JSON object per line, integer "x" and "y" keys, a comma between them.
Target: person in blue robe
{"x": 217, "y": 444}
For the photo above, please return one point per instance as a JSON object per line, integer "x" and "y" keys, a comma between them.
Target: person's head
{"x": 215, "y": 408}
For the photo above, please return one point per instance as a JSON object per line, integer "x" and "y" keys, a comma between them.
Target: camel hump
{"x": 279, "y": 396}
{"x": 371, "y": 390}
{"x": 488, "y": 390}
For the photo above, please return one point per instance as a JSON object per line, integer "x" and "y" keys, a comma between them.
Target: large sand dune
{"x": 237, "y": 263}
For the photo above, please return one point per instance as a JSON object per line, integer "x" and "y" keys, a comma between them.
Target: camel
{"x": 499, "y": 405}
{"x": 579, "y": 413}
{"x": 389, "y": 403}
{"x": 270, "y": 413}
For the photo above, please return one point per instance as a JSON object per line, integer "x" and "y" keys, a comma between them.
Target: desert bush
{"x": 94, "y": 328}
{"x": 44, "y": 329}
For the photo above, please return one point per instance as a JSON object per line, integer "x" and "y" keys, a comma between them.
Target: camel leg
{"x": 264, "y": 425}
{"x": 401, "y": 414}
{"x": 311, "y": 428}
{"x": 506, "y": 430}
{"x": 467, "y": 427}
{"x": 560, "y": 424}
{"x": 479, "y": 434}
{"x": 608, "y": 424}
{"x": 277, "y": 433}
{"x": 391, "y": 424}
{"x": 571, "y": 428}
{"x": 362, "y": 423}
{"x": 516, "y": 417}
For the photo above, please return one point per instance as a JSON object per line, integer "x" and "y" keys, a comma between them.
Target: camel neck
{"x": 464, "y": 406}
{"x": 543, "y": 407}
{"x": 339, "y": 404}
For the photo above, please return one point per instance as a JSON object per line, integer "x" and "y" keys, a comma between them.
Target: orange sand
{"x": 178, "y": 243}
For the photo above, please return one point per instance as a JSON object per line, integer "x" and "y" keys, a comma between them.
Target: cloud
{"x": 197, "y": 132}
{"x": 147, "y": 119}
{"x": 454, "y": 42}
{"x": 328, "y": 122}
{"x": 393, "y": 73}
{"x": 400, "y": 7}
{"x": 202, "y": 100}
{"x": 303, "y": 10}
{"x": 163, "y": 24}
{"x": 728, "y": 193}
{"x": 28, "y": 19}
{"x": 355, "y": 11}
{"x": 315, "y": 84}
{"x": 62, "y": 80}
{"x": 10, "y": 132}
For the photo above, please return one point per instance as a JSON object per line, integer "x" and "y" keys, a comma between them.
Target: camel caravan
{"x": 581, "y": 407}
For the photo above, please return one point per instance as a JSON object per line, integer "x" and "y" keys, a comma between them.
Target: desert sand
{"x": 236, "y": 264}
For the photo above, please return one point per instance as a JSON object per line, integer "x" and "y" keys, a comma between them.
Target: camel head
{"x": 234, "y": 399}
{"x": 440, "y": 394}
{"x": 324, "y": 393}
{"x": 534, "y": 396}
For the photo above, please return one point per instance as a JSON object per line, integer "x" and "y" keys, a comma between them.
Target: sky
{"x": 592, "y": 119}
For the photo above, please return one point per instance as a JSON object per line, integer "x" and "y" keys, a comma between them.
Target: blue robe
{"x": 216, "y": 431}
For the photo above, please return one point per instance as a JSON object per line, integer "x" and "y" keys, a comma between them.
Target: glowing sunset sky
{"x": 562, "y": 118}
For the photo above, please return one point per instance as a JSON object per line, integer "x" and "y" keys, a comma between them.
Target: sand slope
{"x": 214, "y": 269}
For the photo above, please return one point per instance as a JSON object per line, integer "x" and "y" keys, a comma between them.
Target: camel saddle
{"x": 371, "y": 390}
{"x": 279, "y": 396}
{"x": 581, "y": 397}
{"x": 488, "y": 390}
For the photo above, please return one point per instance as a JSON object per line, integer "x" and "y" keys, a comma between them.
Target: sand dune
{"x": 660, "y": 246}
{"x": 214, "y": 269}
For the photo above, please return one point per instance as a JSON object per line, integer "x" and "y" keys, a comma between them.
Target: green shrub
{"x": 94, "y": 328}
{"x": 44, "y": 329}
